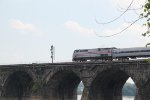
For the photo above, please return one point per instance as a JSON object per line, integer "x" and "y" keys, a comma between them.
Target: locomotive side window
{"x": 76, "y": 51}
{"x": 134, "y": 51}
{"x": 145, "y": 50}
{"x": 128, "y": 51}
{"x": 83, "y": 50}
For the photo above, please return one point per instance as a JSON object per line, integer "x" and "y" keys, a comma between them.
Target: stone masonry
{"x": 59, "y": 81}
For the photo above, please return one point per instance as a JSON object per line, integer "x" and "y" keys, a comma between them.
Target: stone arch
{"x": 132, "y": 75}
{"x": 53, "y": 71}
{"x": 29, "y": 72}
{"x": 62, "y": 85}
{"x": 18, "y": 85}
{"x": 107, "y": 85}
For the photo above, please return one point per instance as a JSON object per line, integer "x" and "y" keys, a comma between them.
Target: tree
{"x": 129, "y": 89}
{"x": 146, "y": 15}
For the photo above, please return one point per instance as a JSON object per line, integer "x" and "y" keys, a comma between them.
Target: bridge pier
{"x": 61, "y": 95}
{"x": 143, "y": 93}
{"x": 62, "y": 86}
{"x": 85, "y": 94}
{"x": 108, "y": 86}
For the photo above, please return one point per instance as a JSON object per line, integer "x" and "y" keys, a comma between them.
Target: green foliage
{"x": 146, "y": 15}
{"x": 148, "y": 60}
{"x": 129, "y": 89}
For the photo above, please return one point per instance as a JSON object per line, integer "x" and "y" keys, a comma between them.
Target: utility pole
{"x": 52, "y": 52}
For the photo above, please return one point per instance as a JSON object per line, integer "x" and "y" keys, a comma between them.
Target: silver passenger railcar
{"x": 126, "y": 53}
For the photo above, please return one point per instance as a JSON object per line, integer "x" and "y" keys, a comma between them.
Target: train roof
{"x": 119, "y": 49}
{"x": 134, "y": 48}
{"x": 98, "y": 48}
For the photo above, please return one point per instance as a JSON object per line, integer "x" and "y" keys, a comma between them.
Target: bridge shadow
{"x": 63, "y": 86}
{"x": 108, "y": 85}
{"x": 17, "y": 86}
{"x": 146, "y": 88}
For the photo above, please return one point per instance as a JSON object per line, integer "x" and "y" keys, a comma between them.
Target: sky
{"x": 28, "y": 28}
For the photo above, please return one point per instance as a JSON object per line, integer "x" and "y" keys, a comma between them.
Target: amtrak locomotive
{"x": 110, "y": 53}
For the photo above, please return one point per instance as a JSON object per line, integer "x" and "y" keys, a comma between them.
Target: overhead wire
{"x": 116, "y": 17}
{"x": 105, "y": 36}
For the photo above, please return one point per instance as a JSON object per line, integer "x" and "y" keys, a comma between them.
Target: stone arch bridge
{"x": 59, "y": 81}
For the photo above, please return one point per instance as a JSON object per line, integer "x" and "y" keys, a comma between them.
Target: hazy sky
{"x": 29, "y": 27}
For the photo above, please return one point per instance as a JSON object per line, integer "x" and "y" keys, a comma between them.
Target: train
{"x": 111, "y": 53}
